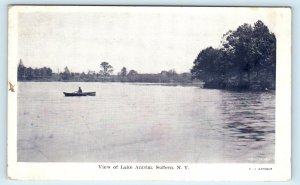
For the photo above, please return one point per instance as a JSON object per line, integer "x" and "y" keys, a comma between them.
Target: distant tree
{"x": 49, "y": 72}
{"x": 91, "y": 72}
{"x": 105, "y": 69}
{"x": 171, "y": 72}
{"x": 123, "y": 72}
{"x": 83, "y": 76}
{"x": 164, "y": 73}
{"x": 67, "y": 70}
{"x": 37, "y": 73}
{"x": 122, "y": 75}
{"x": 172, "y": 75}
{"x": 66, "y": 75}
{"x": 132, "y": 75}
{"x": 21, "y": 71}
{"x": 167, "y": 76}
{"x": 91, "y": 75}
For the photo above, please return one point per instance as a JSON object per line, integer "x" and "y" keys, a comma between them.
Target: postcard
{"x": 149, "y": 93}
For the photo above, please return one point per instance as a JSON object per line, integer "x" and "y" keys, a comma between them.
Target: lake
{"x": 128, "y": 122}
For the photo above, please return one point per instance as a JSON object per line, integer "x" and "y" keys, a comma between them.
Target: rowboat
{"x": 80, "y": 94}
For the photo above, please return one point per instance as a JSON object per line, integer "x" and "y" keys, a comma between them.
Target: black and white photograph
{"x": 148, "y": 85}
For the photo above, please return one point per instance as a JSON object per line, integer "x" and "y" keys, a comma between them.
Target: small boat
{"x": 80, "y": 94}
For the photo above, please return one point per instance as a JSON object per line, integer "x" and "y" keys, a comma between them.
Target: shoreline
{"x": 191, "y": 84}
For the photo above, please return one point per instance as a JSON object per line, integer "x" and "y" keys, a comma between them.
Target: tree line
{"x": 28, "y": 73}
{"x": 245, "y": 61}
{"x": 104, "y": 75}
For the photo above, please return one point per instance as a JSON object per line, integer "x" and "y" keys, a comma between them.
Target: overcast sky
{"x": 146, "y": 39}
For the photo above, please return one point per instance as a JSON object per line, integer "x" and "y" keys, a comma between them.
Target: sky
{"x": 146, "y": 39}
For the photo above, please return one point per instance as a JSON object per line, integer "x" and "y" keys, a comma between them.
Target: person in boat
{"x": 79, "y": 90}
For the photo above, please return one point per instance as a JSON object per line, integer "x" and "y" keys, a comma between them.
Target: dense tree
{"x": 25, "y": 73}
{"x": 105, "y": 69}
{"x": 29, "y": 73}
{"x": 209, "y": 67}
{"x": 246, "y": 60}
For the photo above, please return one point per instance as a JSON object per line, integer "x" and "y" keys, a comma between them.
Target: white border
{"x": 281, "y": 170}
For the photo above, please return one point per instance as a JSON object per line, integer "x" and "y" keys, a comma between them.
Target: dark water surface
{"x": 144, "y": 123}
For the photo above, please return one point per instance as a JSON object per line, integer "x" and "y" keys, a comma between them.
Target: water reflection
{"x": 249, "y": 118}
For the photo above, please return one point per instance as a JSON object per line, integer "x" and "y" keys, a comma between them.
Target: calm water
{"x": 143, "y": 123}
